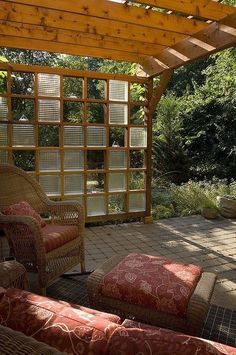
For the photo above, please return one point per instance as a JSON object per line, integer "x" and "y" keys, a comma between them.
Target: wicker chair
{"x": 26, "y": 237}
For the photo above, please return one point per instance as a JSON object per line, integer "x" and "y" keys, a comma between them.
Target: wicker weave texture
{"x": 24, "y": 233}
{"x": 13, "y": 274}
{"x": 191, "y": 324}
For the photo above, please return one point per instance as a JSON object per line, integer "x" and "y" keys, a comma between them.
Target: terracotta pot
{"x": 227, "y": 206}
{"x": 209, "y": 212}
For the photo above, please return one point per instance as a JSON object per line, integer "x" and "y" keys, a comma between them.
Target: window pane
{"x": 96, "y": 205}
{"x": 117, "y": 159}
{"x": 73, "y": 160}
{"x": 117, "y": 137}
{"x": 74, "y": 184}
{"x": 3, "y": 135}
{"x": 23, "y": 135}
{"x": 24, "y": 159}
{"x": 3, "y": 82}
{"x": 22, "y": 109}
{"x": 96, "y": 89}
{"x": 118, "y": 90}
{"x": 137, "y": 115}
{"x": 22, "y": 83}
{"x": 73, "y": 111}
{"x": 49, "y": 160}
{"x": 3, "y": 157}
{"x": 3, "y": 109}
{"x": 138, "y": 137}
{"x": 118, "y": 114}
{"x": 95, "y": 113}
{"x": 49, "y": 111}
{"x": 49, "y": 84}
{"x": 137, "y": 202}
{"x": 96, "y": 136}
{"x": 51, "y": 184}
{"x": 138, "y": 92}
{"x": 95, "y": 159}
{"x": 95, "y": 182}
{"x": 136, "y": 180}
{"x": 73, "y": 136}
{"x": 73, "y": 87}
{"x": 48, "y": 136}
{"x": 137, "y": 158}
{"x": 116, "y": 204}
{"x": 117, "y": 182}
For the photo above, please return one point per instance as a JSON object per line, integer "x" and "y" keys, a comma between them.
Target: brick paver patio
{"x": 209, "y": 243}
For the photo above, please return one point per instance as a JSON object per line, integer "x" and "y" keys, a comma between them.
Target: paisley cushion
{"x": 23, "y": 208}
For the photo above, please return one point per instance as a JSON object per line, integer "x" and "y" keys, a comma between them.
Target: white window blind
{"x": 117, "y": 159}
{"x": 73, "y": 160}
{"x": 49, "y": 160}
{"x": 3, "y": 157}
{"x": 96, "y": 137}
{"x": 51, "y": 184}
{"x": 96, "y": 206}
{"x": 48, "y": 85}
{"x": 49, "y": 111}
{"x": 137, "y": 202}
{"x": 74, "y": 184}
{"x": 118, "y": 114}
{"x": 117, "y": 182}
{"x": 73, "y": 136}
{"x": 3, "y": 109}
{"x": 138, "y": 137}
{"x": 3, "y": 135}
{"x": 23, "y": 136}
{"x": 118, "y": 90}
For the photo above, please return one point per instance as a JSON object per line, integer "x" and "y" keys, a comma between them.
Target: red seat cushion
{"x": 55, "y": 235}
{"x": 137, "y": 338}
{"x": 153, "y": 282}
{"x": 23, "y": 208}
{"x": 69, "y": 328}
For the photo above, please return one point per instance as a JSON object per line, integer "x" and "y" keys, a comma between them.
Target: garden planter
{"x": 227, "y": 206}
{"x": 209, "y": 212}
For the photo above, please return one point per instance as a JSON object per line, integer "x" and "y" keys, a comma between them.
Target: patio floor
{"x": 209, "y": 243}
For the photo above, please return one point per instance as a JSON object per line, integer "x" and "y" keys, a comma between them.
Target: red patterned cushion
{"x": 71, "y": 329}
{"x": 23, "y": 208}
{"x": 54, "y": 235}
{"x": 137, "y": 338}
{"x": 153, "y": 282}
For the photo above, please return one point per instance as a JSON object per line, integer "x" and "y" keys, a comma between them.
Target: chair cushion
{"x": 69, "y": 328}
{"x": 56, "y": 235}
{"x": 138, "y": 338}
{"x": 153, "y": 282}
{"x": 23, "y": 208}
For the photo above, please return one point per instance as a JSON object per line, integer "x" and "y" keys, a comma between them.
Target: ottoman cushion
{"x": 151, "y": 281}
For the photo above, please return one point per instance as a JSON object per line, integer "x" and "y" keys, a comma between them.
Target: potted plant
{"x": 227, "y": 206}
{"x": 209, "y": 209}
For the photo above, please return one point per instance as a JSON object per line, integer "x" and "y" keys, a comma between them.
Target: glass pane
{"x": 3, "y": 108}
{"x": 137, "y": 202}
{"x": 3, "y": 135}
{"x": 117, "y": 159}
{"x": 138, "y": 137}
{"x": 116, "y": 204}
{"x": 136, "y": 180}
{"x": 138, "y": 92}
{"x": 74, "y": 184}
{"x": 137, "y": 115}
{"x": 73, "y": 87}
{"x": 3, "y": 82}
{"x": 48, "y": 136}
{"x": 73, "y": 111}
{"x": 49, "y": 84}
{"x": 118, "y": 90}
{"x": 24, "y": 159}
{"x": 23, "y": 135}
{"x": 96, "y": 205}
{"x": 49, "y": 160}
{"x": 95, "y": 113}
{"x": 96, "y": 89}
{"x": 137, "y": 159}
{"x": 22, "y": 83}
{"x": 49, "y": 111}
{"x": 51, "y": 184}
{"x": 73, "y": 160}
{"x": 95, "y": 159}
{"x": 22, "y": 109}
{"x": 96, "y": 137}
{"x": 117, "y": 137}
{"x": 95, "y": 182}
{"x": 73, "y": 136}
{"x": 118, "y": 114}
{"x": 117, "y": 182}
{"x": 3, "y": 157}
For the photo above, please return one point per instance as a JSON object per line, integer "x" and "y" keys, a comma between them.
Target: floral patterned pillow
{"x": 23, "y": 208}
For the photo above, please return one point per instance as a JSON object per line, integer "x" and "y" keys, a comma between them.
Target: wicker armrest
{"x": 67, "y": 212}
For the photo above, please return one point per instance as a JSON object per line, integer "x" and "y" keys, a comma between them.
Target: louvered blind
{"x": 73, "y": 160}
{"x": 23, "y": 135}
{"x": 96, "y": 206}
{"x": 118, "y": 90}
{"x": 49, "y": 111}
{"x": 74, "y": 184}
{"x": 117, "y": 182}
{"x": 3, "y": 135}
{"x": 51, "y": 184}
{"x": 137, "y": 202}
{"x": 96, "y": 137}
{"x": 49, "y": 160}
{"x": 73, "y": 136}
{"x": 138, "y": 137}
{"x": 117, "y": 159}
{"x": 3, "y": 157}
{"x": 48, "y": 85}
{"x": 118, "y": 114}
{"x": 3, "y": 109}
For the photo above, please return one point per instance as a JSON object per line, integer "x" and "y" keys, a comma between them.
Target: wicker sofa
{"x": 72, "y": 329}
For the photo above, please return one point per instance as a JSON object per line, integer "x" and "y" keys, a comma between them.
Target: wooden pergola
{"x": 159, "y": 36}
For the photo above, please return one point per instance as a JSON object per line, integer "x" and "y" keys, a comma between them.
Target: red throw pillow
{"x": 23, "y": 208}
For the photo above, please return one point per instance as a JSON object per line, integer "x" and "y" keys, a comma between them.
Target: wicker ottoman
{"x": 153, "y": 290}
